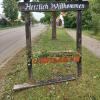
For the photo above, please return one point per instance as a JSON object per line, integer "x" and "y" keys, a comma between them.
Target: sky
{"x": 37, "y": 15}
{"x": 1, "y": 6}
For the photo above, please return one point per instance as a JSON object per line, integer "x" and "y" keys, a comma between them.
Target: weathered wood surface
{"x": 56, "y": 53}
{"x": 63, "y": 53}
{"x": 56, "y": 60}
{"x": 53, "y": 6}
{"x": 79, "y": 40}
{"x": 28, "y": 42}
{"x": 61, "y": 79}
{"x": 55, "y": 57}
{"x": 22, "y": 86}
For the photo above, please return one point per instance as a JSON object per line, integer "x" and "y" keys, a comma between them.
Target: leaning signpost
{"x": 28, "y": 7}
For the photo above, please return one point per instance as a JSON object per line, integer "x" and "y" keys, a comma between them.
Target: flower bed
{"x": 55, "y": 57}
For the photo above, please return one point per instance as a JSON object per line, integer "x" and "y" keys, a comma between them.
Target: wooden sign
{"x": 52, "y": 6}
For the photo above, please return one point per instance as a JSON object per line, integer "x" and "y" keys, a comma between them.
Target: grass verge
{"x": 91, "y": 34}
{"x": 9, "y": 27}
{"x": 85, "y": 88}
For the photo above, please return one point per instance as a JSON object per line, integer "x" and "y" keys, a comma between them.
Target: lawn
{"x": 90, "y": 33}
{"x": 86, "y": 87}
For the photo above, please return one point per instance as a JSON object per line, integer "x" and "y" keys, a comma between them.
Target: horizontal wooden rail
{"x": 55, "y": 57}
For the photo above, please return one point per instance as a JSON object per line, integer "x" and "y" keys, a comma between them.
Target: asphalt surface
{"x": 13, "y": 40}
{"x": 91, "y": 44}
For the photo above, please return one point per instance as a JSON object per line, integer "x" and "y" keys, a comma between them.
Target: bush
{"x": 70, "y": 20}
{"x": 3, "y": 22}
{"x": 18, "y": 23}
{"x": 96, "y": 24}
{"x": 86, "y": 19}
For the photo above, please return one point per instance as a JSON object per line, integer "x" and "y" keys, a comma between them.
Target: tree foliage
{"x": 70, "y": 20}
{"x": 48, "y": 15}
{"x": 47, "y": 18}
{"x": 95, "y": 9}
{"x": 96, "y": 6}
{"x": 87, "y": 19}
{"x": 10, "y": 9}
{"x": 90, "y": 17}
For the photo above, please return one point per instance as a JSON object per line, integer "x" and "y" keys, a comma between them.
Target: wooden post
{"x": 53, "y": 25}
{"x": 79, "y": 41}
{"x": 28, "y": 42}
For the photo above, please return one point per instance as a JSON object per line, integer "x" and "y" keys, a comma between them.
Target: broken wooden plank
{"x": 24, "y": 86}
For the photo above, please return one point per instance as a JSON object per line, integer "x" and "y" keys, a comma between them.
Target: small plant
{"x": 55, "y": 56}
{"x": 40, "y": 54}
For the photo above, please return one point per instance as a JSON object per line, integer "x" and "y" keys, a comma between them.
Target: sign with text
{"x": 53, "y": 6}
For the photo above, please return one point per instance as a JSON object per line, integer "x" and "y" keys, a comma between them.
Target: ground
{"x": 85, "y": 88}
{"x": 91, "y": 44}
{"x": 13, "y": 40}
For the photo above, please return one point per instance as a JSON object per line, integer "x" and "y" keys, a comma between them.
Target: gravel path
{"x": 91, "y": 44}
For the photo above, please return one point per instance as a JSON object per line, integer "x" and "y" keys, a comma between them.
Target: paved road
{"x": 13, "y": 40}
{"x": 91, "y": 44}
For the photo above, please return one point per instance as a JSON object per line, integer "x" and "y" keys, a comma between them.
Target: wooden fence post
{"x": 79, "y": 41}
{"x": 28, "y": 42}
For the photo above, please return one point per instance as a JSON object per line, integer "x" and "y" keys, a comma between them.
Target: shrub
{"x": 3, "y": 22}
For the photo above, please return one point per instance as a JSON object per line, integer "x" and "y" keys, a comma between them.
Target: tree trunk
{"x": 53, "y": 25}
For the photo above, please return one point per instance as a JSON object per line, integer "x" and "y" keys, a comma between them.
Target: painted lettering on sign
{"x": 36, "y": 6}
{"x": 67, "y": 6}
{"x": 53, "y": 6}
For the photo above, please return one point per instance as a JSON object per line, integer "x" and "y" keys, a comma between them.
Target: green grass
{"x": 8, "y": 27}
{"x": 85, "y": 88}
{"x": 91, "y": 34}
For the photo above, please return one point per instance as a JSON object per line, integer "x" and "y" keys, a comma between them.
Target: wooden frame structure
{"x": 27, "y": 7}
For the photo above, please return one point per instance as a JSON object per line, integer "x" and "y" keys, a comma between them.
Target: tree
{"x": 87, "y": 19}
{"x": 53, "y": 21}
{"x": 70, "y": 20}
{"x": 95, "y": 7}
{"x": 10, "y": 9}
{"x": 47, "y": 18}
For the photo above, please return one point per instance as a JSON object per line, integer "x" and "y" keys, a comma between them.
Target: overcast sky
{"x": 37, "y": 15}
{"x": 1, "y": 6}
